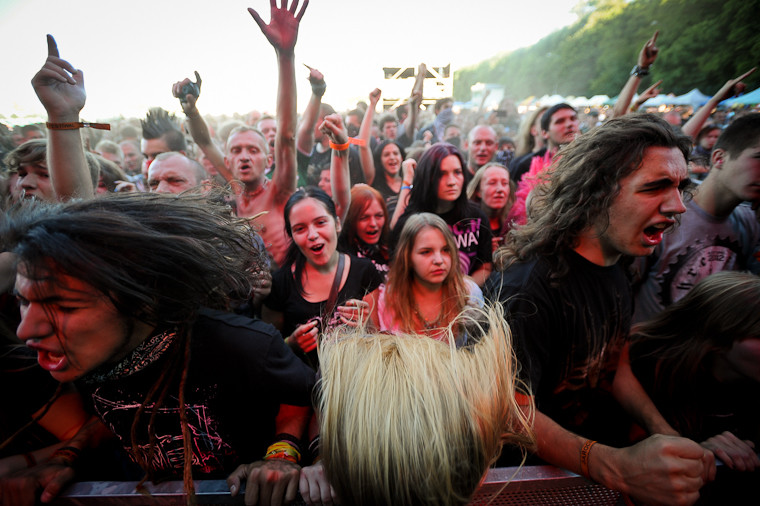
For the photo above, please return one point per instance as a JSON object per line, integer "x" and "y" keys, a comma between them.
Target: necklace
{"x": 429, "y": 325}
{"x": 255, "y": 193}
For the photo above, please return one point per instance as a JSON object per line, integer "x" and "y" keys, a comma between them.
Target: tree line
{"x": 703, "y": 43}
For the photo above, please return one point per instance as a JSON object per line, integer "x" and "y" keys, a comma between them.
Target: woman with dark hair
{"x": 317, "y": 287}
{"x": 387, "y": 157}
{"x": 439, "y": 186}
{"x": 365, "y": 231}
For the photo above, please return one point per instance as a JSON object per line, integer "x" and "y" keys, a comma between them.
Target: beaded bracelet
{"x": 76, "y": 125}
{"x": 585, "y": 455}
{"x": 283, "y": 450}
{"x": 68, "y": 454}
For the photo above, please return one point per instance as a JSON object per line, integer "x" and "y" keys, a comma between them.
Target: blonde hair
{"x": 409, "y": 420}
{"x": 399, "y": 296}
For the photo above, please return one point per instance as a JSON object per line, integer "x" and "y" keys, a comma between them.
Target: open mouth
{"x": 50, "y": 360}
{"x": 653, "y": 234}
{"x": 317, "y": 248}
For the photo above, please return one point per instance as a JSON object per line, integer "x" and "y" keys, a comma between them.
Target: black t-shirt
{"x": 240, "y": 372}
{"x": 363, "y": 278}
{"x": 472, "y": 235}
{"x": 381, "y": 185}
{"x": 568, "y": 339}
{"x": 521, "y": 165}
{"x": 318, "y": 161}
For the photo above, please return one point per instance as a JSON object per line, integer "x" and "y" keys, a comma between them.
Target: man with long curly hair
{"x": 613, "y": 194}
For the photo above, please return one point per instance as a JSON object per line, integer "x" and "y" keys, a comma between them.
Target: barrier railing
{"x": 505, "y": 486}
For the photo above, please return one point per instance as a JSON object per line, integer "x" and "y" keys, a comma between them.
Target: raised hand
{"x": 187, "y": 100}
{"x": 333, "y": 127}
{"x": 282, "y": 30}
{"x": 374, "y": 97}
{"x": 315, "y": 76}
{"x": 59, "y": 86}
{"x": 734, "y": 87}
{"x": 648, "y": 53}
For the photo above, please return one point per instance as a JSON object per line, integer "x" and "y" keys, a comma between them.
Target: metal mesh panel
{"x": 527, "y": 486}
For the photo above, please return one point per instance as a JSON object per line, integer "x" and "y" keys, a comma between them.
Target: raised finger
{"x": 746, "y": 74}
{"x": 293, "y": 6}
{"x": 52, "y": 46}
{"x": 303, "y": 9}
{"x": 653, "y": 40}
{"x": 257, "y": 18}
{"x": 198, "y": 79}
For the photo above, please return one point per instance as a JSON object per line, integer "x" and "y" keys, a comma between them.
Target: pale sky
{"x": 131, "y": 52}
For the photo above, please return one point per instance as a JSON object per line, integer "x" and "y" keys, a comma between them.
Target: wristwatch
{"x": 639, "y": 71}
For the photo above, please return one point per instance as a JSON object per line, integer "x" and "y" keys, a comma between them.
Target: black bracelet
{"x": 319, "y": 88}
{"x": 639, "y": 71}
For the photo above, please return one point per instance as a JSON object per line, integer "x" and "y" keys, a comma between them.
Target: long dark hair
{"x": 424, "y": 196}
{"x": 687, "y": 337}
{"x": 377, "y": 156}
{"x": 158, "y": 257}
{"x": 294, "y": 255}
{"x": 581, "y": 186}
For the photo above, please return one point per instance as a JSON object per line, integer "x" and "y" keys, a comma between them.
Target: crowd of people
{"x": 366, "y": 310}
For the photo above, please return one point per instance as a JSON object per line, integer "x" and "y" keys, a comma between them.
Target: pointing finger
{"x": 52, "y": 46}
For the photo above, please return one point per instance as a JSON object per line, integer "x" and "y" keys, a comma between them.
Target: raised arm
{"x": 407, "y": 170}
{"x": 60, "y": 88}
{"x": 645, "y": 95}
{"x": 365, "y": 148}
{"x": 647, "y": 57}
{"x": 340, "y": 177}
{"x": 732, "y": 88}
{"x": 196, "y": 123}
{"x": 305, "y": 136}
{"x": 415, "y": 100}
{"x": 282, "y": 34}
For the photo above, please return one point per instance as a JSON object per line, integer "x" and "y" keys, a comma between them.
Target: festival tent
{"x": 694, "y": 98}
{"x": 751, "y": 98}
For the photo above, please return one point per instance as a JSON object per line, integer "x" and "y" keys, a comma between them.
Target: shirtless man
{"x": 247, "y": 153}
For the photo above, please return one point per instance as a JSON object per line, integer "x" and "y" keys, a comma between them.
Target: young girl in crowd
{"x": 425, "y": 288}
{"x": 493, "y": 190}
{"x": 439, "y": 188}
{"x": 699, "y": 361}
{"x": 387, "y": 158}
{"x": 365, "y": 231}
{"x": 317, "y": 287}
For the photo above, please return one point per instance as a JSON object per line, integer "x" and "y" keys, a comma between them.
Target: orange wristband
{"x": 76, "y": 125}
{"x": 357, "y": 142}
{"x": 339, "y": 147}
{"x": 585, "y": 455}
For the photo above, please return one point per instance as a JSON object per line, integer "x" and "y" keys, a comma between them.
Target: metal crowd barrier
{"x": 506, "y": 486}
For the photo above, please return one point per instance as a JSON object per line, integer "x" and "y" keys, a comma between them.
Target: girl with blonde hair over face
{"x": 426, "y": 288}
{"x": 417, "y": 421}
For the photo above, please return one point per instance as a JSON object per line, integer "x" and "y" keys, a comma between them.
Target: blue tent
{"x": 694, "y": 98}
{"x": 751, "y": 98}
